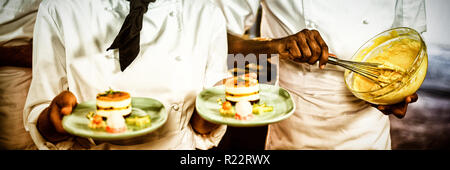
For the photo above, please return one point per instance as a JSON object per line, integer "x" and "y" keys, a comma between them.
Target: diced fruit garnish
{"x": 268, "y": 109}
{"x": 139, "y": 121}
{"x": 239, "y": 117}
{"x": 115, "y": 130}
{"x": 109, "y": 129}
{"x": 258, "y": 109}
{"x": 90, "y": 115}
{"x": 130, "y": 121}
{"x": 227, "y": 105}
{"x": 219, "y": 101}
{"x": 229, "y": 112}
{"x": 97, "y": 125}
{"x": 142, "y": 122}
{"x": 97, "y": 119}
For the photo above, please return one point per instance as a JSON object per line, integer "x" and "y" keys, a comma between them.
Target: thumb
{"x": 66, "y": 110}
{"x": 66, "y": 102}
{"x": 412, "y": 98}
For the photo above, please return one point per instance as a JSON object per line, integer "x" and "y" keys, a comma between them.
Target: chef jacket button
{"x": 310, "y": 24}
{"x": 313, "y": 25}
{"x": 175, "y": 107}
{"x": 171, "y": 14}
{"x": 178, "y": 58}
{"x": 364, "y": 21}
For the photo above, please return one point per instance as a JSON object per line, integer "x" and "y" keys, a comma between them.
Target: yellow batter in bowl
{"x": 404, "y": 52}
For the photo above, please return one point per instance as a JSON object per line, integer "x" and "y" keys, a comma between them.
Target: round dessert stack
{"x": 113, "y": 103}
{"x": 242, "y": 88}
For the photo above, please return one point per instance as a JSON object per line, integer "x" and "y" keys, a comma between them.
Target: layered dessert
{"x": 113, "y": 114}
{"x": 112, "y": 103}
{"x": 242, "y": 88}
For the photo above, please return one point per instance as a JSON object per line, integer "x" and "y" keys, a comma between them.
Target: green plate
{"x": 77, "y": 122}
{"x": 277, "y": 97}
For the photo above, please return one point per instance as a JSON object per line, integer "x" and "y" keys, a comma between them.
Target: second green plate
{"x": 277, "y": 97}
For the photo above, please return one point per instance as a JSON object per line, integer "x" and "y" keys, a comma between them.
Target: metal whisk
{"x": 371, "y": 71}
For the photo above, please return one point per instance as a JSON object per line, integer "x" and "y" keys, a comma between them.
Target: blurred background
{"x": 427, "y": 122}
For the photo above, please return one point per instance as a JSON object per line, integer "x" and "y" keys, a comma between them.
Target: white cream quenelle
{"x": 183, "y": 49}
{"x": 115, "y": 123}
{"x": 327, "y": 115}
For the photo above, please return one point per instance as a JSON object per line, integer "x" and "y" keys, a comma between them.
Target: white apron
{"x": 327, "y": 115}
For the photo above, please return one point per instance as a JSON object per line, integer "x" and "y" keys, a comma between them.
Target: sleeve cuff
{"x": 37, "y": 138}
{"x": 205, "y": 142}
{"x": 32, "y": 118}
{"x": 30, "y": 126}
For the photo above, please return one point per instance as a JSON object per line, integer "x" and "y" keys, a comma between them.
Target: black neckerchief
{"x": 127, "y": 41}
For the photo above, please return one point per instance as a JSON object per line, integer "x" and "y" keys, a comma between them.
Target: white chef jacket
{"x": 183, "y": 50}
{"x": 327, "y": 115}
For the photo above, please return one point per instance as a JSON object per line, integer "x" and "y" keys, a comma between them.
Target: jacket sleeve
{"x": 239, "y": 14}
{"x": 49, "y": 72}
{"x": 215, "y": 71}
